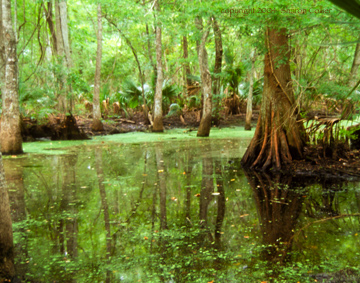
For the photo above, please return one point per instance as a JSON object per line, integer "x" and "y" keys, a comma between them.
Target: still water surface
{"x": 175, "y": 209}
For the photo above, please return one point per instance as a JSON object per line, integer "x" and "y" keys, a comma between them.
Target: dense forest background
{"x": 324, "y": 52}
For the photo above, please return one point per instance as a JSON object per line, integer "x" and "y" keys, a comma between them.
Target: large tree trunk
{"x": 205, "y": 123}
{"x": 97, "y": 125}
{"x": 7, "y": 270}
{"x": 2, "y": 54}
{"x": 10, "y": 136}
{"x": 250, "y": 95}
{"x": 217, "y": 68}
{"x": 355, "y": 67}
{"x": 158, "y": 120}
{"x": 278, "y": 135}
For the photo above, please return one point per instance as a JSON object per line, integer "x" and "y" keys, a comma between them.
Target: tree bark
{"x": 2, "y": 53}
{"x": 205, "y": 123}
{"x": 250, "y": 95}
{"x": 187, "y": 72}
{"x": 50, "y": 22}
{"x": 66, "y": 41}
{"x": 278, "y": 137}
{"x": 217, "y": 67}
{"x": 10, "y": 136}
{"x": 61, "y": 96}
{"x": 97, "y": 125}
{"x": 355, "y": 67}
{"x": 7, "y": 270}
{"x": 158, "y": 112}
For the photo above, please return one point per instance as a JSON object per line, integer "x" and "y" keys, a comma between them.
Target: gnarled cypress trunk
{"x": 278, "y": 138}
{"x": 10, "y": 136}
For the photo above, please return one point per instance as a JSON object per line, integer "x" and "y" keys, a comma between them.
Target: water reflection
{"x": 7, "y": 270}
{"x": 174, "y": 212}
{"x": 279, "y": 205}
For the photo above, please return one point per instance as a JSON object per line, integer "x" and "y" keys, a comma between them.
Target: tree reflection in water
{"x": 7, "y": 270}
{"x": 279, "y": 206}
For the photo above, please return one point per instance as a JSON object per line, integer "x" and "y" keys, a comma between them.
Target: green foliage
{"x": 174, "y": 110}
{"x": 232, "y": 72}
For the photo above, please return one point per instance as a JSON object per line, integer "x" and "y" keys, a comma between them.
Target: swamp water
{"x": 176, "y": 209}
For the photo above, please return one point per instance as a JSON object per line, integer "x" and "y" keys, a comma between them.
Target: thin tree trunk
{"x": 10, "y": 136}
{"x": 7, "y": 270}
{"x": 250, "y": 95}
{"x": 205, "y": 123}
{"x": 217, "y": 67}
{"x": 278, "y": 137}
{"x": 97, "y": 125}
{"x": 158, "y": 112}
{"x": 187, "y": 72}
{"x": 61, "y": 95}
{"x": 355, "y": 67}
{"x": 50, "y": 22}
